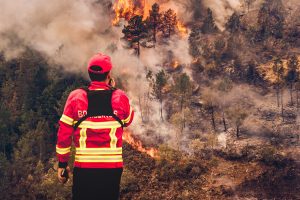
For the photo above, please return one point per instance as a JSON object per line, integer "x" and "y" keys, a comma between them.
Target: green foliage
{"x": 134, "y": 32}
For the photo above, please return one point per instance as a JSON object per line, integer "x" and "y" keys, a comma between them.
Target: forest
{"x": 216, "y": 95}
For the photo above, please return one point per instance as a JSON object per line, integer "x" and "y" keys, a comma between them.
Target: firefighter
{"x": 94, "y": 118}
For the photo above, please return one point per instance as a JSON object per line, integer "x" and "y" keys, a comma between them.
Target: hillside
{"x": 215, "y": 86}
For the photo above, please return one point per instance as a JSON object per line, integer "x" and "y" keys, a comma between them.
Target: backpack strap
{"x": 93, "y": 96}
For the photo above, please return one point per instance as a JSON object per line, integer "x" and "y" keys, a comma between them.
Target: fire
{"x": 175, "y": 64}
{"x": 128, "y": 8}
{"x": 127, "y": 136}
{"x": 182, "y": 29}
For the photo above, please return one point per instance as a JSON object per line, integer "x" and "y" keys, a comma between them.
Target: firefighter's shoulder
{"x": 120, "y": 94}
{"x": 77, "y": 94}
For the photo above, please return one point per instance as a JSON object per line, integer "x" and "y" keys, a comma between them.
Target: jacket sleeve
{"x": 64, "y": 135}
{"x": 127, "y": 110}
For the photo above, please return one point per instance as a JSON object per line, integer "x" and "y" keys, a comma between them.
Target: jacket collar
{"x": 94, "y": 85}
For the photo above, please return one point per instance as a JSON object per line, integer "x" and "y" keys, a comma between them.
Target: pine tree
{"x": 209, "y": 25}
{"x": 270, "y": 19}
{"x": 169, "y": 22}
{"x": 194, "y": 38}
{"x": 278, "y": 70}
{"x": 158, "y": 86}
{"x": 292, "y": 75}
{"x": 134, "y": 32}
{"x": 154, "y": 21}
{"x": 234, "y": 23}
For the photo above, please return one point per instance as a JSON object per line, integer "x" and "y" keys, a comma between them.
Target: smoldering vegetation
{"x": 214, "y": 85}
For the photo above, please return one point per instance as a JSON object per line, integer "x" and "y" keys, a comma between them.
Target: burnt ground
{"x": 220, "y": 177}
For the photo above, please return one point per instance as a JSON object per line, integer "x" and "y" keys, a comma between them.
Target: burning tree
{"x": 134, "y": 32}
{"x": 154, "y": 20}
{"x": 169, "y": 22}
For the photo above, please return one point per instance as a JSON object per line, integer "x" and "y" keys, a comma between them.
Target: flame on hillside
{"x": 268, "y": 73}
{"x": 126, "y": 9}
{"x": 137, "y": 144}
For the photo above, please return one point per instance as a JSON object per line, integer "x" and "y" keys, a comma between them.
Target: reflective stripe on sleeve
{"x": 67, "y": 120}
{"x": 98, "y": 158}
{"x": 63, "y": 150}
{"x": 129, "y": 117}
{"x": 99, "y": 151}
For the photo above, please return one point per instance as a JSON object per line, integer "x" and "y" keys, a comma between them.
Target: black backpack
{"x": 99, "y": 103}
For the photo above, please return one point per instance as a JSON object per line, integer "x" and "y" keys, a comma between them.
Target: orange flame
{"x": 136, "y": 144}
{"x": 128, "y": 8}
{"x": 175, "y": 64}
{"x": 181, "y": 28}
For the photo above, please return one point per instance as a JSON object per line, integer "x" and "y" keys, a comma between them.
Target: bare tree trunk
{"x": 224, "y": 121}
{"x": 141, "y": 109}
{"x": 277, "y": 93}
{"x": 297, "y": 99}
{"x": 213, "y": 117}
{"x": 237, "y": 131}
{"x": 161, "y": 116}
{"x": 138, "y": 49}
{"x": 282, "y": 105}
{"x": 291, "y": 93}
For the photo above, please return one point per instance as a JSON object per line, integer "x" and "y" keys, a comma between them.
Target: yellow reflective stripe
{"x": 99, "y": 158}
{"x": 83, "y": 137}
{"x": 67, "y": 120}
{"x": 113, "y": 138}
{"x": 129, "y": 117}
{"x": 99, "y": 125}
{"x": 99, "y": 151}
{"x": 63, "y": 150}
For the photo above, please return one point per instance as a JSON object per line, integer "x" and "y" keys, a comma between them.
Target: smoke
{"x": 69, "y": 32}
{"x": 64, "y": 31}
{"x": 222, "y": 9}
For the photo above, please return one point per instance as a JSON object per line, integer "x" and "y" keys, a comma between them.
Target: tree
{"x": 183, "y": 88}
{"x": 209, "y": 25}
{"x": 278, "y": 71}
{"x": 194, "y": 38}
{"x": 292, "y": 74}
{"x": 248, "y": 3}
{"x": 134, "y": 32}
{"x": 209, "y": 98}
{"x": 252, "y": 73}
{"x": 158, "y": 86}
{"x": 233, "y": 25}
{"x": 154, "y": 20}
{"x": 224, "y": 87}
{"x": 270, "y": 19}
{"x": 237, "y": 114}
{"x": 169, "y": 22}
